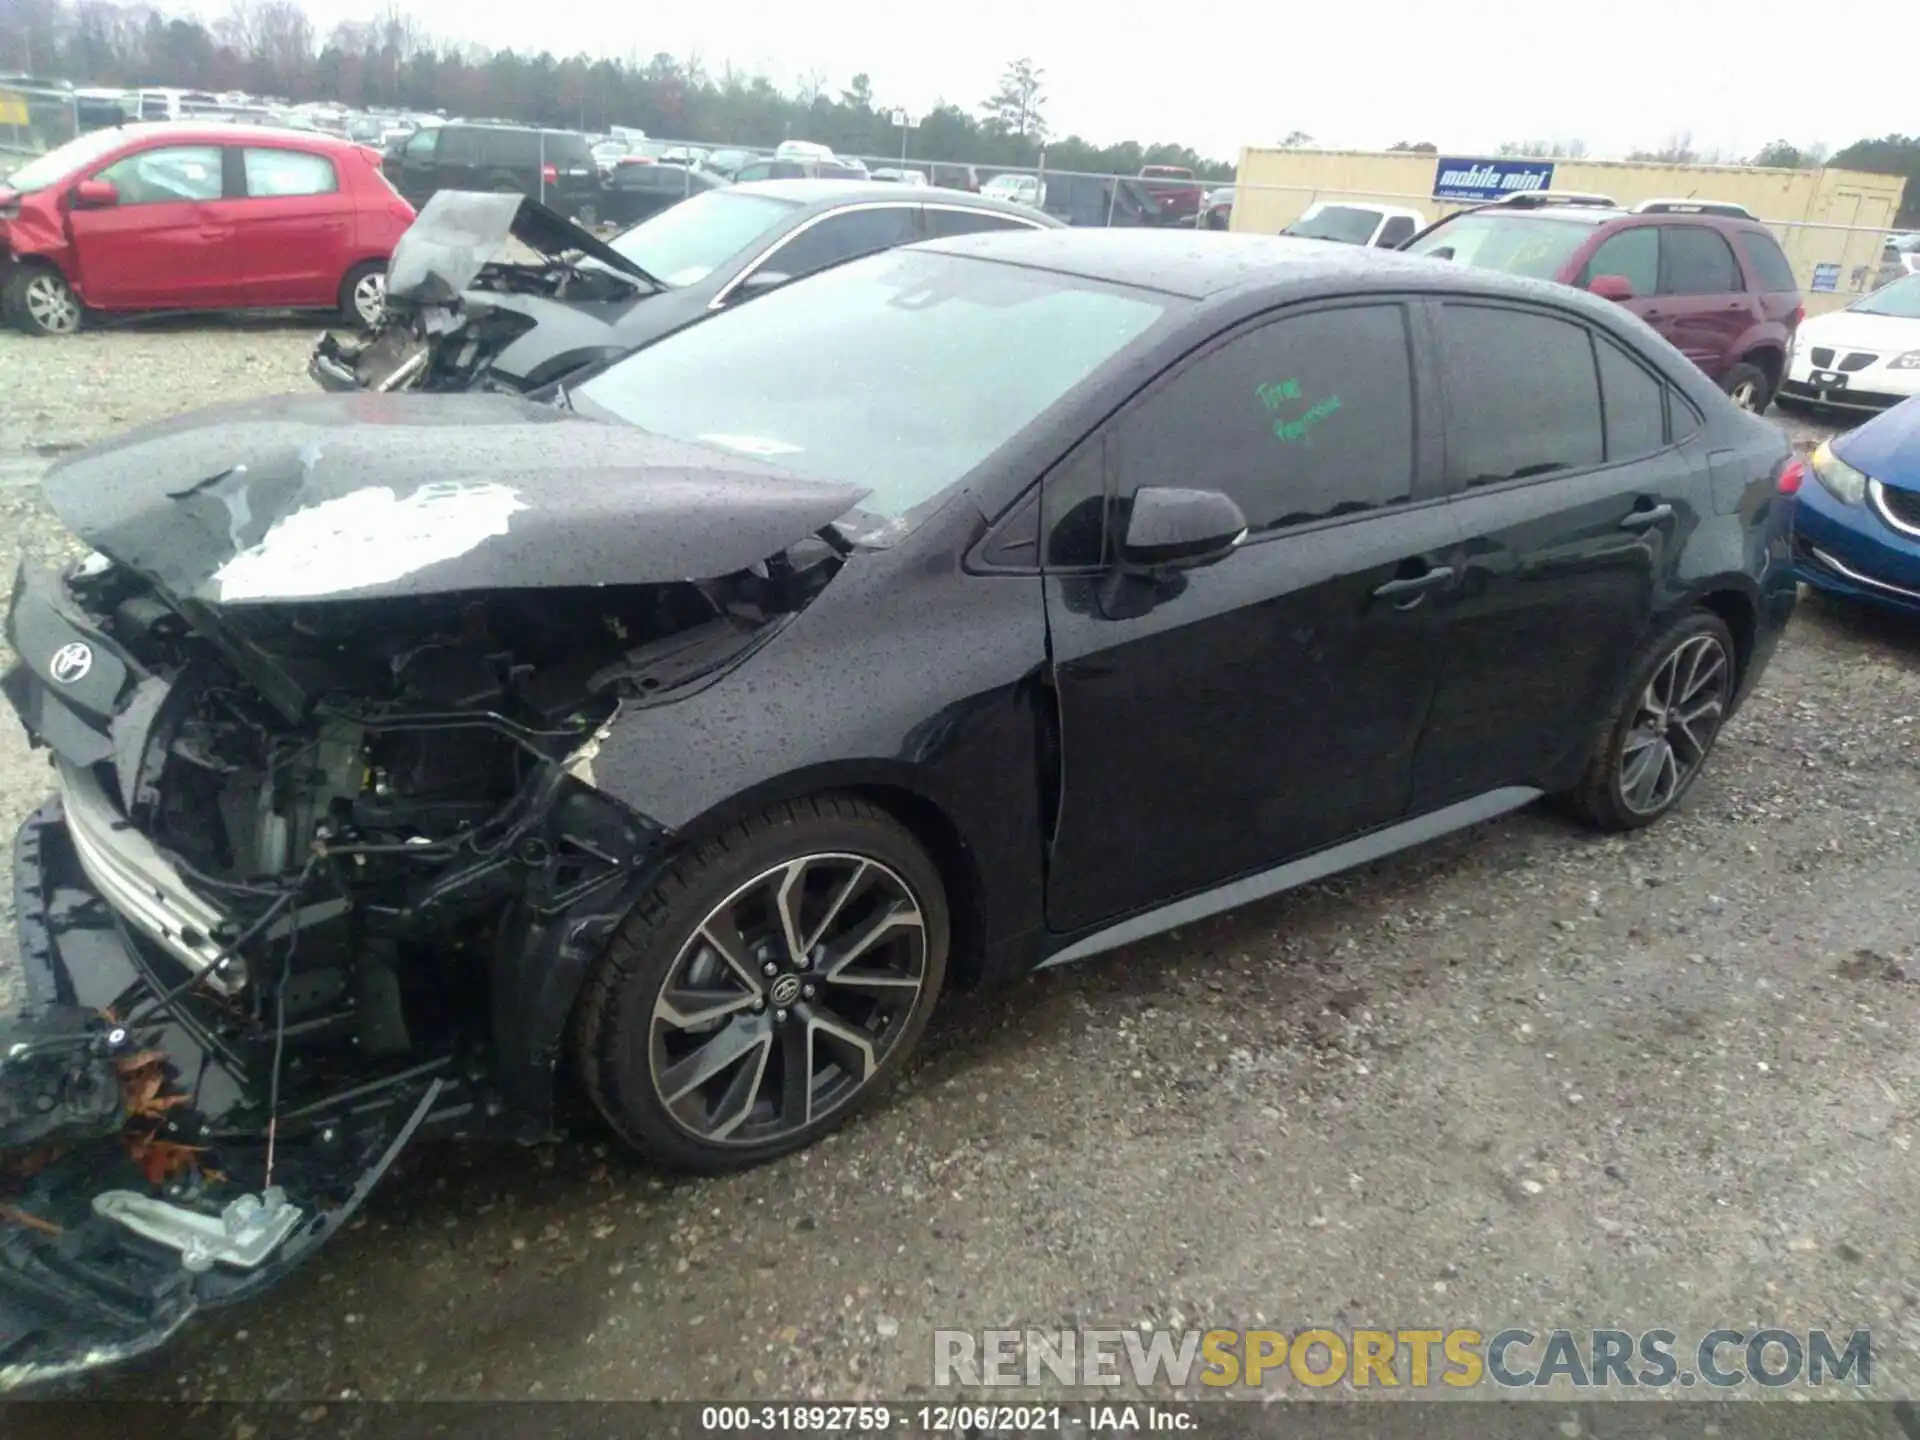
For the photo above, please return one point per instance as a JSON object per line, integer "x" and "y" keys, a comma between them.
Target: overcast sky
{"x": 1217, "y": 75}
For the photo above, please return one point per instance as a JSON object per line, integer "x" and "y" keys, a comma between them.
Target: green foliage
{"x": 1889, "y": 155}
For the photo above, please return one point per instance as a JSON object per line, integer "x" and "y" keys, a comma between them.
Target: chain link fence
{"x": 35, "y": 116}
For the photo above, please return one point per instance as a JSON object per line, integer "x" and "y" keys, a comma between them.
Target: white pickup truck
{"x": 1385, "y": 226}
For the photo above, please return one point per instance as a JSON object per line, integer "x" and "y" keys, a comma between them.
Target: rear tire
{"x": 39, "y": 301}
{"x": 696, "y": 1054}
{"x": 1749, "y": 388}
{"x": 363, "y": 294}
{"x": 1656, "y": 739}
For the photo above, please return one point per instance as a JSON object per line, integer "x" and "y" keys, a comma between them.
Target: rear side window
{"x": 1307, "y": 417}
{"x": 1636, "y": 404}
{"x": 509, "y": 147}
{"x": 970, "y": 222}
{"x": 275, "y": 173}
{"x": 567, "y": 150}
{"x": 1522, "y": 395}
{"x": 1633, "y": 255}
{"x": 1698, "y": 261}
{"x": 843, "y": 236}
{"x": 1770, "y": 266}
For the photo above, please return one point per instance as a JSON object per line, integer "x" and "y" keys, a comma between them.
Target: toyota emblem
{"x": 71, "y": 662}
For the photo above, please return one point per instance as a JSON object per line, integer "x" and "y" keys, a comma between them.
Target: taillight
{"x": 1799, "y": 314}
{"x": 1791, "y": 474}
{"x": 550, "y": 173}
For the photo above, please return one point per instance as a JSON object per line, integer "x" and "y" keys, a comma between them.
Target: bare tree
{"x": 1296, "y": 140}
{"x": 1543, "y": 149}
{"x": 1014, "y": 108}
{"x": 811, "y": 85}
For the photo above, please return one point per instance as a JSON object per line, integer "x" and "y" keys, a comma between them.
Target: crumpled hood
{"x": 458, "y": 231}
{"x": 311, "y": 497}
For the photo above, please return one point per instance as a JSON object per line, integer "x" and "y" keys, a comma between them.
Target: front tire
{"x": 774, "y": 981}
{"x": 1657, "y": 738}
{"x": 39, "y": 301}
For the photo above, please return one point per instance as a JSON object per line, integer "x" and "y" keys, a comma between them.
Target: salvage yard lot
{"x": 1525, "y": 1076}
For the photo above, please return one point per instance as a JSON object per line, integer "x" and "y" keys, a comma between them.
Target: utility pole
{"x": 906, "y": 123}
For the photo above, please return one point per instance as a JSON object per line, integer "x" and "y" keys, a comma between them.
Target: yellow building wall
{"x": 1808, "y": 210}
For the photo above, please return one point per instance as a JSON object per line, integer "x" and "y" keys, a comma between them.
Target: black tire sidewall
{"x": 13, "y": 302}
{"x": 654, "y": 936}
{"x": 1652, "y": 657}
{"x": 349, "y": 311}
{"x": 1742, "y": 372}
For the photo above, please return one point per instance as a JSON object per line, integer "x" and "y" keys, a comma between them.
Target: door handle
{"x": 1412, "y": 587}
{"x": 1645, "y": 517}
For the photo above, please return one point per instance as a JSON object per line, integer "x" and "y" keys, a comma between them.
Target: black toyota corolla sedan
{"x": 968, "y": 608}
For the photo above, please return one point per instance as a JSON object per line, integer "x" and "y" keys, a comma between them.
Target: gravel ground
{"x": 1522, "y": 1076}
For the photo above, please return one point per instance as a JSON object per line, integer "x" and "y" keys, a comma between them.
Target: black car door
{"x": 1569, "y": 509}
{"x": 1236, "y": 716}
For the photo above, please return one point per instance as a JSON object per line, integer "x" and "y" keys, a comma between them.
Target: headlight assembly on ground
{"x": 1514, "y": 1358}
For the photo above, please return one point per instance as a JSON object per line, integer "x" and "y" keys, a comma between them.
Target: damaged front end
{"x": 454, "y": 306}
{"x": 313, "y": 848}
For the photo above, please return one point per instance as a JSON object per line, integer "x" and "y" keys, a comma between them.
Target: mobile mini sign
{"x": 1467, "y": 179}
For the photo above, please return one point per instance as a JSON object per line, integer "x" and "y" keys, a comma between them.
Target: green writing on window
{"x": 1276, "y": 393}
{"x": 1296, "y": 430}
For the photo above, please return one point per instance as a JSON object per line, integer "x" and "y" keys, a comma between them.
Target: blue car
{"x": 1857, "y": 523}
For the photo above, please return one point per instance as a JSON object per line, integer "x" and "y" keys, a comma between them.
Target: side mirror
{"x": 758, "y": 283}
{"x": 1175, "y": 529}
{"x": 1611, "y": 287}
{"x": 95, "y": 195}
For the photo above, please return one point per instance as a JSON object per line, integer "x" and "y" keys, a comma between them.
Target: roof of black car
{"x": 843, "y": 192}
{"x": 1189, "y": 263}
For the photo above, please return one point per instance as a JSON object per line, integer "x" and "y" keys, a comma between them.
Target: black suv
{"x": 554, "y": 167}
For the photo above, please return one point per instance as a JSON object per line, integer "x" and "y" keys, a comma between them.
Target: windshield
{"x": 1514, "y": 244}
{"x": 57, "y": 165}
{"x": 1348, "y": 224}
{"x": 900, "y": 372}
{"x": 685, "y": 244}
{"x": 1901, "y": 299}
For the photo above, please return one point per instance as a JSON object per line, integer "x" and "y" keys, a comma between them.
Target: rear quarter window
{"x": 1765, "y": 258}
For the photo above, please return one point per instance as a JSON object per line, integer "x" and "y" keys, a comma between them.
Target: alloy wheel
{"x": 787, "y": 999}
{"x": 51, "y": 304}
{"x": 1673, "y": 728}
{"x": 1746, "y": 395}
{"x": 370, "y": 297}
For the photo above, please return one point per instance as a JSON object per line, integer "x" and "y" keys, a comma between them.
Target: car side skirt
{"x": 1344, "y": 856}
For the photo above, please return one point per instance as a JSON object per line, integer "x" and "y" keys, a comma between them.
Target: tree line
{"x": 271, "y": 48}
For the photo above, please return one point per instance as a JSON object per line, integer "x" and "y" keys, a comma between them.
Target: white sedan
{"x": 1865, "y": 357}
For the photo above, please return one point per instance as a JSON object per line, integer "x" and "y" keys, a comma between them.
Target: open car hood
{"x": 363, "y": 496}
{"x": 458, "y": 231}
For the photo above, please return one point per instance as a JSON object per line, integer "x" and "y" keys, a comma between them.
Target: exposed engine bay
{"x": 309, "y": 858}
{"x": 452, "y": 289}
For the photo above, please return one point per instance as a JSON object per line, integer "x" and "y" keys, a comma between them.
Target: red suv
{"x": 1719, "y": 289}
{"x": 177, "y": 216}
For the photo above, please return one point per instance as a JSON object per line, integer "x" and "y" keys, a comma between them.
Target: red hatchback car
{"x": 176, "y": 216}
{"x": 1719, "y": 289}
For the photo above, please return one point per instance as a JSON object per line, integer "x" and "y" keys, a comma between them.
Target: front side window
{"x": 841, "y": 237}
{"x": 1304, "y": 418}
{"x": 422, "y": 143}
{"x": 1633, "y": 255}
{"x": 1395, "y": 233}
{"x": 901, "y": 372}
{"x": 273, "y": 173}
{"x": 1537, "y": 246}
{"x": 167, "y": 176}
{"x": 1698, "y": 262}
{"x": 1522, "y": 395}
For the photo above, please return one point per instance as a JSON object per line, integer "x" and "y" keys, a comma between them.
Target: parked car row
{"x": 681, "y": 736}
